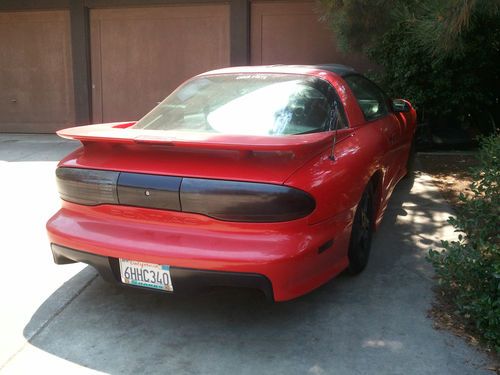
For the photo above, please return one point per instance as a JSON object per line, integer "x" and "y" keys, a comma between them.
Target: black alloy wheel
{"x": 361, "y": 235}
{"x": 410, "y": 163}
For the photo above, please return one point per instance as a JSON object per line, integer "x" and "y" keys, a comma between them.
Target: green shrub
{"x": 448, "y": 86}
{"x": 442, "y": 55}
{"x": 469, "y": 269}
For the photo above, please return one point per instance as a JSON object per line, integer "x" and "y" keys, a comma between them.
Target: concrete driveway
{"x": 65, "y": 318}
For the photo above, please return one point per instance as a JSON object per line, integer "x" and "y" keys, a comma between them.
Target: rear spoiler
{"x": 122, "y": 134}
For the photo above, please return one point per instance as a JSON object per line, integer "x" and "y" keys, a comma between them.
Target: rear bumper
{"x": 186, "y": 280}
{"x": 291, "y": 256}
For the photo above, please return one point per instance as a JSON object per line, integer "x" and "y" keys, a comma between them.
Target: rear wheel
{"x": 410, "y": 163}
{"x": 361, "y": 234}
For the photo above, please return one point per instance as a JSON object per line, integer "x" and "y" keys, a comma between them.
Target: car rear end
{"x": 175, "y": 212}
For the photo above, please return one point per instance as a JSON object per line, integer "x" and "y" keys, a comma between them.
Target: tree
{"x": 444, "y": 55}
{"x": 442, "y": 26}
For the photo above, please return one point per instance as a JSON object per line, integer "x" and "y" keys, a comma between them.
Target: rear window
{"x": 246, "y": 104}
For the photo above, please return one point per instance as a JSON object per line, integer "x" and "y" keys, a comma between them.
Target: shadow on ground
{"x": 374, "y": 323}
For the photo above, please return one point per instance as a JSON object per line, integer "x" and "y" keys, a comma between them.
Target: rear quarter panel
{"x": 337, "y": 184}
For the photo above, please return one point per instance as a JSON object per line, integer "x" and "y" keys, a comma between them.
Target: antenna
{"x": 334, "y": 122}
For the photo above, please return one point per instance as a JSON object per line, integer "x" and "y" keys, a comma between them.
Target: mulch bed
{"x": 450, "y": 172}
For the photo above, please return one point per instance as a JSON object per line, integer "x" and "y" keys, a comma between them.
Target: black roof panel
{"x": 339, "y": 69}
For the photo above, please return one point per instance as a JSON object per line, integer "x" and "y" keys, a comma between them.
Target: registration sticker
{"x": 147, "y": 275}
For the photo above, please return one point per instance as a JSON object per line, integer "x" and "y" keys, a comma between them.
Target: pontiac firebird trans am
{"x": 270, "y": 177}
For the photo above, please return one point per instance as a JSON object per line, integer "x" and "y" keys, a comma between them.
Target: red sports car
{"x": 268, "y": 177}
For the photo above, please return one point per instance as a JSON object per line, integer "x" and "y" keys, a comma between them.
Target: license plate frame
{"x": 146, "y": 275}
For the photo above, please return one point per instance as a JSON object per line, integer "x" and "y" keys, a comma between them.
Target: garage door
{"x": 139, "y": 55}
{"x": 36, "y": 90}
{"x": 289, "y": 33}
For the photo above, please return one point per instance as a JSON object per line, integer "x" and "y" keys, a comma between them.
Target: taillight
{"x": 244, "y": 201}
{"x": 220, "y": 199}
{"x": 146, "y": 190}
{"x": 87, "y": 186}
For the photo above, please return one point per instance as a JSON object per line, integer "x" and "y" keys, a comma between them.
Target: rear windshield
{"x": 245, "y": 104}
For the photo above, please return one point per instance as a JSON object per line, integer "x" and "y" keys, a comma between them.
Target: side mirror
{"x": 400, "y": 105}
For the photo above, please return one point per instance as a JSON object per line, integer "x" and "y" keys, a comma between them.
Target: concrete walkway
{"x": 64, "y": 318}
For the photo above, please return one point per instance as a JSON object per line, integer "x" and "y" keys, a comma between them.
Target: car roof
{"x": 339, "y": 69}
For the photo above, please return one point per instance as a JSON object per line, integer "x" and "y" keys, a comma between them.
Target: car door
{"x": 378, "y": 114}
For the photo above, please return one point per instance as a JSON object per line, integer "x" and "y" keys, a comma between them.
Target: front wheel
{"x": 361, "y": 234}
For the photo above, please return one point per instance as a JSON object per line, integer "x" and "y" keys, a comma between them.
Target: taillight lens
{"x": 87, "y": 186}
{"x": 244, "y": 201}
{"x": 145, "y": 190}
{"x": 220, "y": 199}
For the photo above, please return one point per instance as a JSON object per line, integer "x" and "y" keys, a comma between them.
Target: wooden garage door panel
{"x": 139, "y": 55}
{"x": 35, "y": 72}
{"x": 289, "y": 32}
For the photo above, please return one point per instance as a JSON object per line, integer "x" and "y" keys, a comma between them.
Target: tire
{"x": 410, "y": 162}
{"x": 361, "y": 233}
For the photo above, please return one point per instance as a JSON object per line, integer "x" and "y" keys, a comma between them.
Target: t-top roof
{"x": 339, "y": 69}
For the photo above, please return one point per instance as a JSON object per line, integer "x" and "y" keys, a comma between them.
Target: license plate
{"x": 148, "y": 275}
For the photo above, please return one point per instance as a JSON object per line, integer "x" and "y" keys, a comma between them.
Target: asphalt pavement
{"x": 66, "y": 319}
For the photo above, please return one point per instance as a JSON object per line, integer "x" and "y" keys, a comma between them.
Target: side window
{"x": 337, "y": 118}
{"x": 371, "y": 99}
